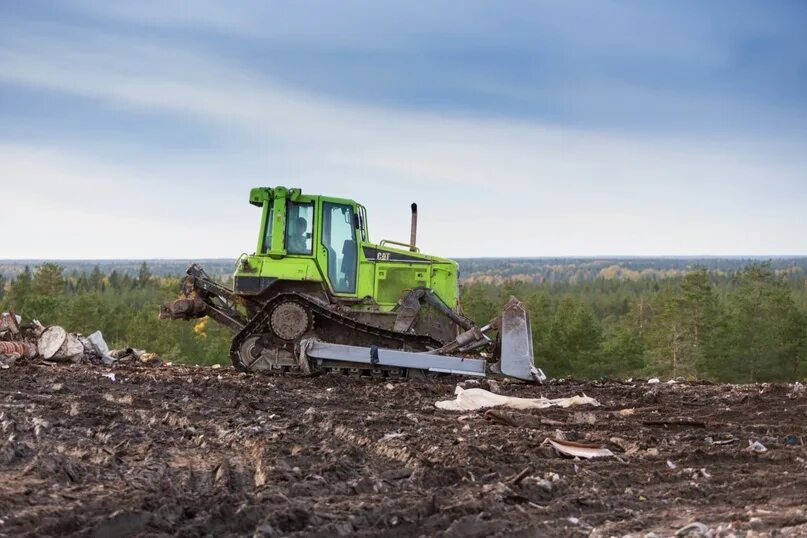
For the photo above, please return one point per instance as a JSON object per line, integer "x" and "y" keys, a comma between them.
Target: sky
{"x": 548, "y": 128}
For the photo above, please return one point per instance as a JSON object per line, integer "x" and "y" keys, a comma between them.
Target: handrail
{"x": 410, "y": 247}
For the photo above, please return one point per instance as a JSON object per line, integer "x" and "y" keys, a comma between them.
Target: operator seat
{"x": 349, "y": 264}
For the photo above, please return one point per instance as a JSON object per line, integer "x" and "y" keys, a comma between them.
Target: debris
{"x": 516, "y": 480}
{"x": 578, "y": 450}
{"x": 471, "y": 399}
{"x": 756, "y": 446}
{"x": 51, "y": 341}
{"x": 17, "y": 350}
{"x": 675, "y": 422}
{"x": 717, "y": 442}
{"x": 110, "y": 376}
{"x": 100, "y": 347}
{"x": 10, "y": 322}
{"x": 626, "y": 412}
{"x": 671, "y": 464}
{"x": 216, "y": 366}
{"x": 57, "y": 344}
{"x": 695, "y": 528}
{"x": 653, "y": 381}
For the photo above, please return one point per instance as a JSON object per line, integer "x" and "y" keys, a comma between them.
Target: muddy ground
{"x": 200, "y": 451}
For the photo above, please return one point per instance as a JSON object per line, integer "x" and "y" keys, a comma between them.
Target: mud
{"x": 200, "y": 451}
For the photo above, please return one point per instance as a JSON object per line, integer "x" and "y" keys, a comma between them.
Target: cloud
{"x": 486, "y": 186}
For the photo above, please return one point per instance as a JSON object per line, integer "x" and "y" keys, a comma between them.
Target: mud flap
{"x": 517, "y": 358}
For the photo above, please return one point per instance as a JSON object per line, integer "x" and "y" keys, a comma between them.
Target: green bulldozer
{"x": 317, "y": 295}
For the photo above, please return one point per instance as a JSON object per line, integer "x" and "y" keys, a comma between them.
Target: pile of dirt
{"x": 201, "y": 451}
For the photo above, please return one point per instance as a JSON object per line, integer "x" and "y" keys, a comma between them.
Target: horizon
{"x": 137, "y": 130}
{"x": 549, "y": 257}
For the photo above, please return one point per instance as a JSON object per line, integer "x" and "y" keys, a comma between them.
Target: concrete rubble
{"x": 33, "y": 341}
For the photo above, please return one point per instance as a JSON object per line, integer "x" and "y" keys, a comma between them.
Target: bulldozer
{"x": 317, "y": 295}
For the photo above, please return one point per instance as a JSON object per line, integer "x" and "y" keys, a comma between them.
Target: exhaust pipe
{"x": 413, "y": 232}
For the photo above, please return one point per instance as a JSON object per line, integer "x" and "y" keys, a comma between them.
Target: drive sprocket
{"x": 290, "y": 320}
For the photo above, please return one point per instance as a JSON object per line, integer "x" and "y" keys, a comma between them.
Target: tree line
{"x": 746, "y": 326}
{"x": 121, "y": 305}
{"x": 739, "y": 326}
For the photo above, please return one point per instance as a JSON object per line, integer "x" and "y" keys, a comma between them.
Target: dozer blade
{"x": 516, "y": 357}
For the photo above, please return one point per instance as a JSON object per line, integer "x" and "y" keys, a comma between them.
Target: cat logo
{"x": 382, "y": 256}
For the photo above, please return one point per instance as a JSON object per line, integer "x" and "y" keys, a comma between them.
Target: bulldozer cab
{"x": 313, "y": 234}
{"x": 315, "y": 238}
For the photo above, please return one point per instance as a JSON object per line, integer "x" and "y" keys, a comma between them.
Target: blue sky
{"x": 521, "y": 128}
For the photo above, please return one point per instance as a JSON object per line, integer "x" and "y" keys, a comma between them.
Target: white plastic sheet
{"x": 471, "y": 399}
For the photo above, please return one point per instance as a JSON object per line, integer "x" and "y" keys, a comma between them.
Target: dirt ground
{"x": 201, "y": 451}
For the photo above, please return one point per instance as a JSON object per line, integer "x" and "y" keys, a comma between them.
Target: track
{"x": 197, "y": 451}
{"x": 328, "y": 325}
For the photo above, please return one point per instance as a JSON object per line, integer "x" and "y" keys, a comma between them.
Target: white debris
{"x": 471, "y": 399}
{"x": 577, "y": 450}
{"x": 653, "y": 381}
{"x": 671, "y": 464}
{"x": 100, "y": 347}
{"x": 110, "y": 376}
{"x": 756, "y": 446}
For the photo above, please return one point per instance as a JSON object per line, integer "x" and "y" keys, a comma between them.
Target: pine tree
{"x": 20, "y": 289}
{"x": 767, "y": 328}
{"x": 95, "y": 282}
{"x": 143, "y": 275}
{"x": 49, "y": 280}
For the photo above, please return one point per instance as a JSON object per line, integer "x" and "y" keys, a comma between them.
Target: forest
{"x": 713, "y": 319}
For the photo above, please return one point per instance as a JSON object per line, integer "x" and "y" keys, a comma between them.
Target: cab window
{"x": 299, "y": 226}
{"x": 267, "y": 235}
{"x": 339, "y": 240}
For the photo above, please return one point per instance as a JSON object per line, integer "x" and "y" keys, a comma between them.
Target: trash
{"x": 792, "y": 440}
{"x": 695, "y": 528}
{"x": 578, "y": 450}
{"x": 671, "y": 464}
{"x": 216, "y": 366}
{"x": 626, "y": 412}
{"x": 110, "y": 376}
{"x": 471, "y": 399}
{"x": 717, "y": 442}
{"x": 653, "y": 381}
{"x": 675, "y": 422}
{"x": 126, "y": 353}
{"x": 10, "y": 322}
{"x": 152, "y": 359}
{"x": 17, "y": 350}
{"x": 756, "y": 446}
{"x": 100, "y": 347}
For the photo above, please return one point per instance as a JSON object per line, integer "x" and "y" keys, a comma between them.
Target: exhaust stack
{"x": 414, "y": 229}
